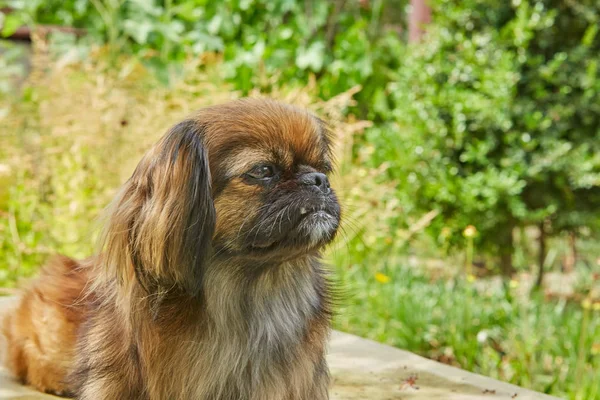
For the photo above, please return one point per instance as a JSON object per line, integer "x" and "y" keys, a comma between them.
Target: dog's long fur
{"x": 208, "y": 283}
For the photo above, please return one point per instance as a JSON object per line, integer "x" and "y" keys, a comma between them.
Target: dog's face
{"x": 247, "y": 179}
{"x": 269, "y": 164}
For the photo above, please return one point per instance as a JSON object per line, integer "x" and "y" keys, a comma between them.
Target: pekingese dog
{"x": 208, "y": 283}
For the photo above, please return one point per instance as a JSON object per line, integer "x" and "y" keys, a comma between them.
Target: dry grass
{"x": 78, "y": 132}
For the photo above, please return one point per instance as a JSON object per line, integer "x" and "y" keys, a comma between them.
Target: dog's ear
{"x": 161, "y": 224}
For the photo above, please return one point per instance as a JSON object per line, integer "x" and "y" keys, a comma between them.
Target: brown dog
{"x": 208, "y": 283}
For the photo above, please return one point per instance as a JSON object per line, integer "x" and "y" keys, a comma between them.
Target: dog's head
{"x": 247, "y": 179}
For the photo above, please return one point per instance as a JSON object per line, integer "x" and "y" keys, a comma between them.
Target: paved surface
{"x": 363, "y": 369}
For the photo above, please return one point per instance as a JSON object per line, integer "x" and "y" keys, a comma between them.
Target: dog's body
{"x": 208, "y": 285}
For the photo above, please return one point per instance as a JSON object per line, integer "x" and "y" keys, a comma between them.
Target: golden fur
{"x": 207, "y": 284}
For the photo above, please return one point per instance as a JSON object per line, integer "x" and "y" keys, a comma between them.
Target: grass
{"x": 536, "y": 344}
{"x": 394, "y": 293}
{"x": 78, "y": 131}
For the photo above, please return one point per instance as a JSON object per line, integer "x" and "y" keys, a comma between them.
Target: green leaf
{"x": 138, "y": 30}
{"x": 590, "y": 34}
{"x": 312, "y": 57}
{"x": 203, "y": 42}
{"x": 10, "y": 24}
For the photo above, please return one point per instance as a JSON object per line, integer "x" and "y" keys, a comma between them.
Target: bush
{"x": 498, "y": 114}
{"x": 341, "y": 43}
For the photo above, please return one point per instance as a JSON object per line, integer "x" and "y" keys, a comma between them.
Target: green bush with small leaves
{"x": 497, "y": 119}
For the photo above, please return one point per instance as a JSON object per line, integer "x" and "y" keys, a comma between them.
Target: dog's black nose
{"x": 316, "y": 179}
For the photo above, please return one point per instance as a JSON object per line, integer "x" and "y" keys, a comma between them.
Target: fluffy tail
{"x": 41, "y": 330}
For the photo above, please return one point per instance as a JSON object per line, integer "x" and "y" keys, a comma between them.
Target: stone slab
{"x": 363, "y": 369}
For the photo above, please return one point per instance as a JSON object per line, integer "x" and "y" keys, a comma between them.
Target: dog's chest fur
{"x": 263, "y": 335}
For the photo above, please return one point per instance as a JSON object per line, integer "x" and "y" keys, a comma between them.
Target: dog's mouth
{"x": 312, "y": 227}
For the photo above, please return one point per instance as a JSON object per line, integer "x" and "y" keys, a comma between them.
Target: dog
{"x": 208, "y": 282}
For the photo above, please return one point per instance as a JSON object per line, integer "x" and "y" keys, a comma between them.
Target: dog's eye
{"x": 262, "y": 172}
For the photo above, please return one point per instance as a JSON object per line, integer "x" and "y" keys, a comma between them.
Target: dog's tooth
{"x": 303, "y": 211}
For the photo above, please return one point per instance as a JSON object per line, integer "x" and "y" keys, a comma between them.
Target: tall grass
{"x": 78, "y": 130}
{"x": 69, "y": 141}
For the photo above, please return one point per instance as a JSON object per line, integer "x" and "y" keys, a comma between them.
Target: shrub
{"x": 342, "y": 44}
{"x": 498, "y": 114}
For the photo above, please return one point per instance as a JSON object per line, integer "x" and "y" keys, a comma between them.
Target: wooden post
{"x": 506, "y": 246}
{"x": 542, "y": 252}
{"x": 571, "y": 256}
{"x": 419, "y": 17}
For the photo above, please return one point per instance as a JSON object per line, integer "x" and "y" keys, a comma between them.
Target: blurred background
{"x": 468, "y": 153}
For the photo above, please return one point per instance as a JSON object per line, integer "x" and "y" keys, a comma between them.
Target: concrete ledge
{"x": 363, "y": 369}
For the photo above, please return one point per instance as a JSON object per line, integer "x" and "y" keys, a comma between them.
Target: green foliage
{"x": 77, "y": 133}
{"x": 342, "y": 43}
{"x": 492, "y": 120}
{"x": 481, "y": 327}
{"x": 498, "y": 113}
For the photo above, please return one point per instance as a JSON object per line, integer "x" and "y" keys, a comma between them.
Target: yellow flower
{"x": 513, "y": 284}
{"x": 382, "y": 278}
{"x": 470, "y": 231}
{"x": 596, "y": 306}
{"x": 586, "y": 304}
{"x": 471, "y": 278}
